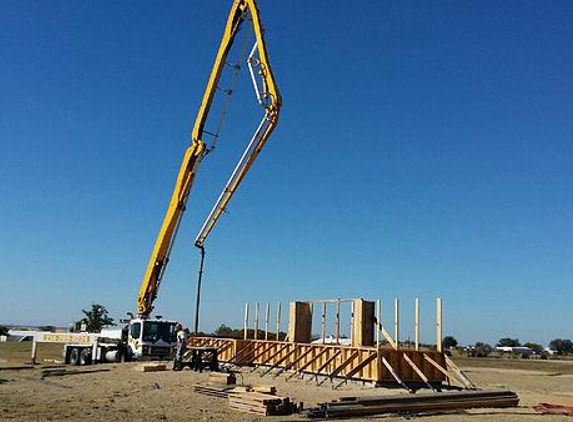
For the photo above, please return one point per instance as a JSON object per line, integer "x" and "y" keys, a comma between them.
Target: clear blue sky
{"x": 425, "y": 149}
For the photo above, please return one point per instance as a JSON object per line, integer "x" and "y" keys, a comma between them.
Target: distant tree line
{"x": 225, "y": 331}
{"x": 560, "y": 346}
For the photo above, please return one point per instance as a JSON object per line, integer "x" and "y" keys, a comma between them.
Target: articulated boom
{"x": 268, "y": 97}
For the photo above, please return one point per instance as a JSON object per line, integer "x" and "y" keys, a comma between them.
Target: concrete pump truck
{"x": 142, "y": 336}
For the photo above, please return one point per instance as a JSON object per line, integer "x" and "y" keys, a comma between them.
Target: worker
{"x": 181, "y": 347}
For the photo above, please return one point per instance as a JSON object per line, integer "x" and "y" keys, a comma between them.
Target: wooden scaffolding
{"x": 372, "y": 354}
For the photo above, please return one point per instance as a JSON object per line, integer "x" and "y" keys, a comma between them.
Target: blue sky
{"x": 425, "y": 149}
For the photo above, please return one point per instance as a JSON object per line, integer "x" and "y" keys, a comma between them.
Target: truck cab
{"x": 150, "y": 338}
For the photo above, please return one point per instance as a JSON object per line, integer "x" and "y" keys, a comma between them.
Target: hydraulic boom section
{"x": 268, "y": 97}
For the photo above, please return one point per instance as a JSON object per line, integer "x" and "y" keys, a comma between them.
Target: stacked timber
{"x": 227, "y": 378}
{"x": 415, "y": 403}
{"x": 151, "y": 367}
{"x": 223, "y": 392}
{"x": 213, "y": 391}
{"x": 261, "y": 403}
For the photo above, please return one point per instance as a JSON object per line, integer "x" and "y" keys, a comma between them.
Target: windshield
{"x": 154, "y": 331}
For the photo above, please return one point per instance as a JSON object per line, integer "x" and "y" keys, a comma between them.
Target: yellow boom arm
{"x": 267, "y": 95}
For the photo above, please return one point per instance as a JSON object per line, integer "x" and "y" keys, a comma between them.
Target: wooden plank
{"x": 328, "y": 361}
{"x": 256, "y": 320}
{"x": 267, "y": 389}
{"x": 387, "y": 336}
{"x": 460, "y": 374}
{"x": 397, "y": 323}
{"x": 265, "y": 350}
{"x": 378, "y": 318}
{"x": 300, "y": 322}
{"x": 223, "y": 348}
{"x": 246, "y": 321}
{"x": 417, "y": 324}
{"x": 339, "y": 368}
{"x": 439, "y": 325}
{"x": 267, "y": 316}
{"x": 323, "y": 322}
{"x": 281, "y": 360}
{"x": 151, "y": 367}
{"x": 369, "y": 406}
{"x": 278, "y": 335}
{"x": 344, "y": 364}
{"x": 239, "y": 353}
{"x": 297, "y": 360}
{"x": 363, "y": 323}
{"x": 251, "y": 353}
{"x": 418, "y": 371}
{"x": 310, "y": 362}
{"x": 268, "y": 359}
{"x": 436, "y": 365}
{"x": 394, "y": 374}
{"x": 358, "y": 368}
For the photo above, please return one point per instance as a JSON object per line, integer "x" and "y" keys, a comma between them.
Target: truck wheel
{"x": 86, "y": 357}
{"x": 75, "y": 356}
{"x": 126, "y": 356}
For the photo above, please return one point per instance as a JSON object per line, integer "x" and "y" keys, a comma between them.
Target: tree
{"x": 508, "y": 342}
{"x": 561, "y": 346}
{"x": 50, "y": 328}
{"x": 3, "y": 330}
{"x": 224, "y": 331}
{"x": 537, "y": 348}
{"x": 449, "y": 342}
{"x": 97, "y": 318}
{"x": 482, "y": 350}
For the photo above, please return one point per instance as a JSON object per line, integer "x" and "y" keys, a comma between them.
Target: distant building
{"x": 520, "y": 349}
{"x": 332, "y": 340}
{"x": 20, "y": 335}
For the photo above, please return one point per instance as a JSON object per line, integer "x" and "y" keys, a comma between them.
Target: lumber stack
{"x": 223, "y": 392}
{"x": 261, "y": 403}
{"x": 227, "y": 378}
{"x": 415, "y": 403}
{"x": 151, "y": 367}
{"x": 213, "y": 391}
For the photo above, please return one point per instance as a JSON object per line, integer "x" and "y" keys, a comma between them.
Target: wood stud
{"x": 439, "y": 325}
{"x": 417, "y": 325}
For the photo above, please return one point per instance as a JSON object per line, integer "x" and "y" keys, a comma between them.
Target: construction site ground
{"x": 120, "y": 392}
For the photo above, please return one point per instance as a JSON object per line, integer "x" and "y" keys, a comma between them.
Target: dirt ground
{"x": 120, "y": 393}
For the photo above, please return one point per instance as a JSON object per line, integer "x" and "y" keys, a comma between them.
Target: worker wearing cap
{"x": 181, "y": 347}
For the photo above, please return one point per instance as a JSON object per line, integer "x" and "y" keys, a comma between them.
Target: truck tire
{"x": 86, "y": 357}
{"x": 125, "y": 355}
{"x": 75, "y": 356}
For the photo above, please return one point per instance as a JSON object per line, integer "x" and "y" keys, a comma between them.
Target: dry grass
{"x": 549, "y": 366}
{"x": 19, "y": 353}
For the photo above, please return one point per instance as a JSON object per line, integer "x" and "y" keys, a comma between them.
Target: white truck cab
{"x": 151, "y": 338}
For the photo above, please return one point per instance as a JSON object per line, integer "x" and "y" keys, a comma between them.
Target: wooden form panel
{"x": 363, "y": 323}
{"x": 226, "y": 348}
{"x": 362, "y": 363}
{"x": 405, "y": 370}
{"x": 300, "y": 322}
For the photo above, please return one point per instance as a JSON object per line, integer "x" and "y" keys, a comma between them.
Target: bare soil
{"x": 121, "y": 393}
